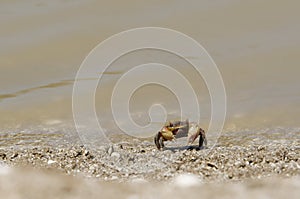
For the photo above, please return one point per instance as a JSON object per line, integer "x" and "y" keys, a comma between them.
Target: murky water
{"x": 255, "y": 45}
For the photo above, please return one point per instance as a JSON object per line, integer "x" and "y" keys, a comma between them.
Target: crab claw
{"x": 179, "y": 128}
{"x": 173, "y": 128}
{"x": 167, "y": 134}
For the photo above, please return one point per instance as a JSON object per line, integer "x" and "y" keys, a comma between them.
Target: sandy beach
{"x": 255, "y": 47}
{"x": 136, "y": 169}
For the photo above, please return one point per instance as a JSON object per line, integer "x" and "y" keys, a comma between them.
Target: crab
{"x": 176, "y": 129}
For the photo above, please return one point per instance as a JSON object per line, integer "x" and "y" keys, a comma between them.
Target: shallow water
{"x": 254, "y": 44}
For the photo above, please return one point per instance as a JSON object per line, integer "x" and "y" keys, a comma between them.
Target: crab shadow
{"x": 183, "y": 148}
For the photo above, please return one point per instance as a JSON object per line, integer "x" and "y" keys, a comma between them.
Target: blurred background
{"x": 255, "y": 45}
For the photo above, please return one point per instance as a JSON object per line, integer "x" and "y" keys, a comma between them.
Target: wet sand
{"x": 255, "y": 45}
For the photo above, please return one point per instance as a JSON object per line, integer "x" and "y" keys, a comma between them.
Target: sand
{"x": 134, "y": 168}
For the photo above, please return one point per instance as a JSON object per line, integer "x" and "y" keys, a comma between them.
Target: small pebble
{"x": 110, "y": 150}
{"x": 51, "y": 162}
{"x": 115, "y": 155}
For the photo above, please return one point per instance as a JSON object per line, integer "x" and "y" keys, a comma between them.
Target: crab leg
{"x": 158, "y": 140}
{"x": 202, "y": 138}
{"x": 194, "y": 132}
